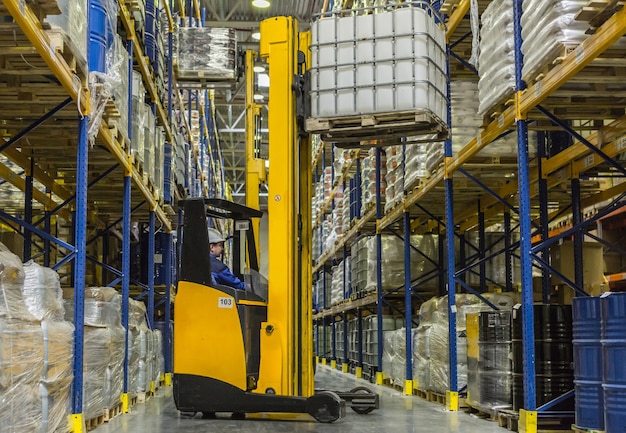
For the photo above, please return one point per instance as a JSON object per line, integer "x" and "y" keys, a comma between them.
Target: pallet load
{"x": 378, "y": 72}
{"x": 138, "y": 110}
{"x": 430, "y": 340}
{"x": 496, "y": 63}
{"x": 206, "y": 54}
{"x": 368, "y": 179}
{"x": 365, "y": 260}
{"x": 104, "y": 339}
{"x": 36, "y": 348}
{"x": 341, "y": 282}
{"x": 549, "y": 30}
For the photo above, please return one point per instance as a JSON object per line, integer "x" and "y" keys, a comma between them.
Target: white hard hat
{"x": 215, "y": 236}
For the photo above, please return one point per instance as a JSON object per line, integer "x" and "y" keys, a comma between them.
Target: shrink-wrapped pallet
{"x": 339, "y": 286}
{"x": 137, "y": 140}
{"x": 421, "y": 357}
{"x": 421, "y": 160}
{"x": 207, "y": 53}
{"x": 365, "y": 260}
{"x": 96, "y": 360}
{"x": 497, "y": 61}
{"x": 103, "y": 307}
{"x": 12, "y": 303}
{"x": 548, "y": 30}
{"x": 42, "y": 292}
{"x": 368, "y": 179}
{"x": 35, "y": 375}
{"x": 114, "y": 375}
{"x": 119, "y": 91}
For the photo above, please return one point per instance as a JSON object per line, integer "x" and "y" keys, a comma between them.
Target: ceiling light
{"x": 261, "y": 3}
{"x": 258, "y": 97}
{"x": 256, "y": 36}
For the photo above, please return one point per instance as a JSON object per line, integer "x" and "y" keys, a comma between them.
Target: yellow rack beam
{"x": 456, "y": 18}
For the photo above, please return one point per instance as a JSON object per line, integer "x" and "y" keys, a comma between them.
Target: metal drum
{"x": 494, "y": 365}
{"x": 99, "y": 35}
{"x": 614, "y": 361}
{"x": 588, "y": 363}
{"x": 553, "y": 355}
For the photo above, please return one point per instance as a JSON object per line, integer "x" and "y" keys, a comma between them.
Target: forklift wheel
{"x": 362, "y": 390}
{"x": 325, "y": 406}
{"x": 187, "y": 414}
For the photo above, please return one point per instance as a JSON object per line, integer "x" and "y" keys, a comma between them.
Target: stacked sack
{"x": 36, "y": 348}
{"x": 496, "y": 65}
{"x": 548, "y": 29}
{"x": 104, "y": 339}
{"x": 430, "y": 340}
{"x": 394, "y": 176}
{"x": 341, "y": 282}
{"x": 421, "y": 160}
{"x": 368, "y": 179}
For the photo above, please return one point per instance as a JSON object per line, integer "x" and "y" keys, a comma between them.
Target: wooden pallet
{"x": 359, "y": 130}
{"x": 539, "y": 74}
{"x": 509, "y": 419}
{"x": 93, "y": 423}
{"x": 420, "y": 393}
{"x": 482, "y": 411}
{"x": 112, "y": 412}
{"x": 436, "y": 397}
{"x": 584, "y": 430}
{"x": 597, "y": 12}
{"x": 62, "y": 44}
{"x": 143, "y": 396}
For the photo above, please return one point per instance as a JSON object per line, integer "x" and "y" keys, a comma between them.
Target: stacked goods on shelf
{"x": 321, "y": 293}
{"x": 316, "y": 144}
{"x": 394, "y": 177}
{"x": 496, "y": 63}
{"x": 368, "y": 179}
{"x": 466, "y": 123}
{"x": 341, "y": 285}
{"x": 548, "y": 30}
{"x": 120, "y": 91}
{"x": 142, "y": 348}
{"x": 72, "y": 22}
{"x": 420, "y": 160}
{"x": 343, "y": 159}
{"x": 103, "y": 349}
{"x": 208, "y": 53}
{"x": 159, "y": 172}
{"x": 323, "y": 351}
{"x": 430, "y": 341}
{"x": 180, "y": 159}
{"x": 495, "y": 267}
{"x": 365, "y": 260}
{"x": 370, "y": 338}
{"x": 353, "y": 340}
{"x": 339, "y": 356}
{"x": 36, "y": 348}
{"x": 489, "y": 379}
{"x": 389, "y": 61}
{"x": 346, "y": 205}
{"x": 554, "y": 357}
{"x": 137, "y": 140}
{"x": 149, "y": 126}
{"x": 394, "y": 355}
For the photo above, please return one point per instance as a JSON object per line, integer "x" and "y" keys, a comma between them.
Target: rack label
{"x": 225, "y": 303}
{"x": 501, "y": 120}
{"x": 620, "y": 144}
{"x": 580, "y": 53}
{"x": 589, "y": 160}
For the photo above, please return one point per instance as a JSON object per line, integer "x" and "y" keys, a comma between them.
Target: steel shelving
{"x": 537, "y": 182}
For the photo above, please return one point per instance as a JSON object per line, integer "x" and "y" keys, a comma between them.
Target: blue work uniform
{"x": 222, "y": 275}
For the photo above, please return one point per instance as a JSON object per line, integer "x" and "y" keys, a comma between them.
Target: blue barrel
{"x": 99, "y": 35}
{"x": 587, "y": 333}
{"x": 614, "y": 361}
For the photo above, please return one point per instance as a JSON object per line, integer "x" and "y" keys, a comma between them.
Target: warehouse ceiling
{"x": 230, "y": 103}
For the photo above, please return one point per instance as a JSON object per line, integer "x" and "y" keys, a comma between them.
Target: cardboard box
{"x": 562, "y": 259}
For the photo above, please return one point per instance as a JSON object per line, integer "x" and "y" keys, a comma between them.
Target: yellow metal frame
{"x": 286, "y": 353}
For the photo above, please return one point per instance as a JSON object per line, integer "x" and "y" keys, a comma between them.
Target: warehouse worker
{"x": 220, "y": 272}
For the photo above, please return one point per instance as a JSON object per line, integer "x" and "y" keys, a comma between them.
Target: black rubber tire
{"x": 238, "y": 416}
{"x": 362, "y": 390}
{"x": 188, "y": 414}
{"x": 209, "y": 415}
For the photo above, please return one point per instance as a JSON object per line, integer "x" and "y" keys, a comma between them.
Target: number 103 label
{"x": 225, "y": 303}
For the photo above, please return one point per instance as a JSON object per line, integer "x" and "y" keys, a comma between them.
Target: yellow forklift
{"x": 251, "y": 351}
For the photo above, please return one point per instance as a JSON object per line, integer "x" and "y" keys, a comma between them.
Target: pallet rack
{"x": 86, "y": 189}
{"x": 483, "y": 202}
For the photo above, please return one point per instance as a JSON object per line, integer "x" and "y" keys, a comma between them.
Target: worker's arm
{"x": 227, "y": 278}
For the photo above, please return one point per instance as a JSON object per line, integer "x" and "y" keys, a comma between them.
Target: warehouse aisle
{"x": 397, "y": 414}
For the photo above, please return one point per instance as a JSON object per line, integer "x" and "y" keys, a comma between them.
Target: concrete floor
{"x": 398, "y": 414}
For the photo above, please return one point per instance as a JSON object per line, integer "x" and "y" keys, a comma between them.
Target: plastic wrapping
{"x": 137, "y": 314}
{"x": 548, "y": 29}
{"x": 42, "y": 292}
{"x": 495, "y": 268}
{"x": 370, "y": 332}
{"x": 119, "y": 90}
{"x": 114, "y": 375}
{"x": 340, "y": 286}
{"x": 103, "y": 307}
{"x": 475, "y": 24}
{"x": 365, "y": 260}
{"x": 496, "y": 66}
{"x": 421, "y": 160}
{"x": 138, "y": 117}
{"x": 35, "y": 375}
{"x": 431, "y": 347}
{"x": 73, "y": 22}
{"x": 368, "y": 179}
{"x": 11, "y": 285}
{"x": 149, "y": 125}
{"x": 207, "y": 53}
{"x": 394, "y": 355}
{"x": 466, "y": 123}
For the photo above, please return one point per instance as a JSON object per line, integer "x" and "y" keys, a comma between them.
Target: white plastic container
{"x": 378, "y": 63}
